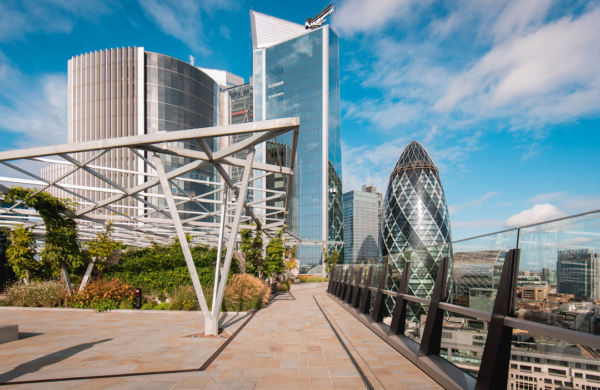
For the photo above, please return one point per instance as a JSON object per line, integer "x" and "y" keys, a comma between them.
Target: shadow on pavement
{"x": 39, "y": 363}
{"x": 25, "y": 335}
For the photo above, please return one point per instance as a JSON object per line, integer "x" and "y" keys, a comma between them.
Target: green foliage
{"x": 104, "y": 304}
{"x": 312, "y": 279}
{"x": 184, "y": 298}
{"x": 37, "y": 294}
{"x": 245, "y": 292}
{"x": 163, "y": 306}
{"x": 20, "y": 253}
{"x": 147, "y": 306}
{"x": 126, "y": 305}
{"x": 252, "y": 246}
{"x": 160, "y": 268}
{"x": 330, "y": 261}
{"x": 103, "y": 246}
{"x": 61, "y": 242}
{"x": 275, "y": 251}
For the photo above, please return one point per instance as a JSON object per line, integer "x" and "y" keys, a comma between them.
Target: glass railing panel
{"x": 559, "y": 273}
{"x": 416, "y": 316}
{"x": 552, "y": 363}
{"x": 476, "y": 269}
{"x": 463, "y": 341}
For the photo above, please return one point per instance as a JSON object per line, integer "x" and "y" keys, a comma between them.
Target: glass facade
{"x": 360, "y": 226}
{"x": 415, "y": 219}
{"x": 290, "y": 82}
{"x": 179, "y": 96}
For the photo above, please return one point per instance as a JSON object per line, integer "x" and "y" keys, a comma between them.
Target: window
{"x": 446, "y": 335}
{"x": 593, "y": 377}
{"x": 579, "y": 375}
{"x": 557, "y": 372}
{"x": 548, "y": 381}
{"x": 591, "y": 367}
{"x": 537, "y": 369}
{"x": 526, "y": 368}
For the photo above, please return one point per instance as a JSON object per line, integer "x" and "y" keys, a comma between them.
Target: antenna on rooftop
{"x": 317, "y": 21}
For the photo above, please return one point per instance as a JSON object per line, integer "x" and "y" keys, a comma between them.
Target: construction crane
{"x": 317, "y": 21}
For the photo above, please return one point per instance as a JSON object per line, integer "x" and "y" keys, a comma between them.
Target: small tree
{"x": 21, "y": 253}
{"x": 330, "y": 261}
{"x": 252, "y": 246}
{"x": 103, "y": 246}
{"x": 275, "y": 252}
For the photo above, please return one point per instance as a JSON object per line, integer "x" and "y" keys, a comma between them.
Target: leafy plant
{"x": 126, "y": 305}
{"x": 21, "y": 253}
{"x": 147, "y": 306}
{"x": 184, "y": 298}
{"x": 160, "y": 268}
{"x": 103, "y": 246}
{"x": 275, "y": 251}
{"x": 37, "y": 294}
{"x": 104, "y": 304}
{"x": 163, "y": 306}
{"x": 61, "y": 245}
{"x": 252, "y": 246}
{"x": 330, "y": 261}
{"x": 312, "y": 279}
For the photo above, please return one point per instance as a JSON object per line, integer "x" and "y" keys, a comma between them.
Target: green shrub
{"x": 163, "y": 306}
{"x": 312, "y": 279}
{"x": 283, "y": 287}
{"x": 126, "y": 305}
{"x": 147, "y": 306}
{"x": 37, "y": 294}
{"x": 245, "y": 292}
{"x": 161, "y": 268}
{"x": 104, "y": 304}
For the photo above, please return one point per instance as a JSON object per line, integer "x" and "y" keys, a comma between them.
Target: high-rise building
{"x": 373, "y": 190}
{"x": 237, "y": 106}
{"x": 125, "y": 92}
{"x": 549, "y": 275}
{"x": 360, "y": 226}
{"x": 296, "y": 74}
{"x": 415, "y": 220}
{"x": 578, "y": 273}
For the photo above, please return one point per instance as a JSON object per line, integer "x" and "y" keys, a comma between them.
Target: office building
{"x": 126, "y": 92}
{"x": 296, "y": 74}
{"x": 415, "y": 219}
{"x": 578, "y": 273}
{"x": 549, "y": 275}
{"x": 476, "y": 276}
{"x": 237, "y": 107}
{"x": 373, "y": 190}
{"x": 360, "y": 226}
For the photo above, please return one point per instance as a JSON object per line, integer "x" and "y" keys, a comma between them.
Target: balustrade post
{"x": 432, "y": 334}
{"x": 378, "y": 308}
{"x": 366, "y": 295}
{"x": 355, "y": 302}
{"x": 399, "y": 314}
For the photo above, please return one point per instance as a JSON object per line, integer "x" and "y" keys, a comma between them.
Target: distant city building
{"x": 549, "y": 275}
{"x": 238, "y": 104}
{"x": 360, "y": 226}
{"x": 415, "y": 218}
{"x": 476, "y": 276}
{"x": 126, "y": 92}
{"x": 296, "y": 74}
{"x": 373, "y": 190}
{"x": 578, "y": 273}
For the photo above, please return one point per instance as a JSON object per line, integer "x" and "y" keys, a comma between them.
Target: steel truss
{"x": 148, "y": 222}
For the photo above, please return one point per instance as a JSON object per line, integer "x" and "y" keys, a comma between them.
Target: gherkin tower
{"x": 415, "y": 224}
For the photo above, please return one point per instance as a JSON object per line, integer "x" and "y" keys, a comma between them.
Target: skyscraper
{"x": 415, "y": 220}
{"x": 373, "y": 190}
{"x": 296, "y": 74}
{"x": 125, "y": 92}
{"x": 578, "y": 273}
{"x": 360, "y": 226}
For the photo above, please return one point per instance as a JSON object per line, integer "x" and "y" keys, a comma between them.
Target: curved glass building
{"x": 415, "y": 223}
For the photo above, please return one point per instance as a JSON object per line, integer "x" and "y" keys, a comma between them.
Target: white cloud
{"x": 572, "y": 204}
{"x": 20, "y": 18}
{"x": 538, "y": 213}
{"x": 548, "y": 74}
{"x": 355, "y": 16}
{"x": 477, "y": 202}
{"x": 477, "y": 224}
{"x": 34, "y": 108}
{"x": 224, "y": 30}
{"x": 183, "y": 19}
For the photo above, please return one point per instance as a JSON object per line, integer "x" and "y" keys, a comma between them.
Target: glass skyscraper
{"x": 415, "y": 223}
{"x": 296, "y": 74}
{"x": 360, "y": 226}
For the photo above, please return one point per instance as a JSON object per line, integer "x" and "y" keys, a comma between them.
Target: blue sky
{"x": 505, "y": 95}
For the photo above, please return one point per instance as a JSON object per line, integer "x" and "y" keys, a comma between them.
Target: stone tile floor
{"x": 289, "y": 346}
{"x": 60, "y": 344}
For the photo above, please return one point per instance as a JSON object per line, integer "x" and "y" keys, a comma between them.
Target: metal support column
{"x": 220, "y": 244}
{"x": 493, "y": 372}
{"x": 164, "y": 182}
{"x": 399, "y": 313}
{"x": 378, "y": 308}
{"x": 366, "y": 293}
{"x": 432, "y": 334}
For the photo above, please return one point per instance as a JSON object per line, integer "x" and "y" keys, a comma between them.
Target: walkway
{"x": 289, "y": 345}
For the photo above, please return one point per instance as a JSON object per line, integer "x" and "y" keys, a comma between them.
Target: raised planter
{"x": 9, "y": 333}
